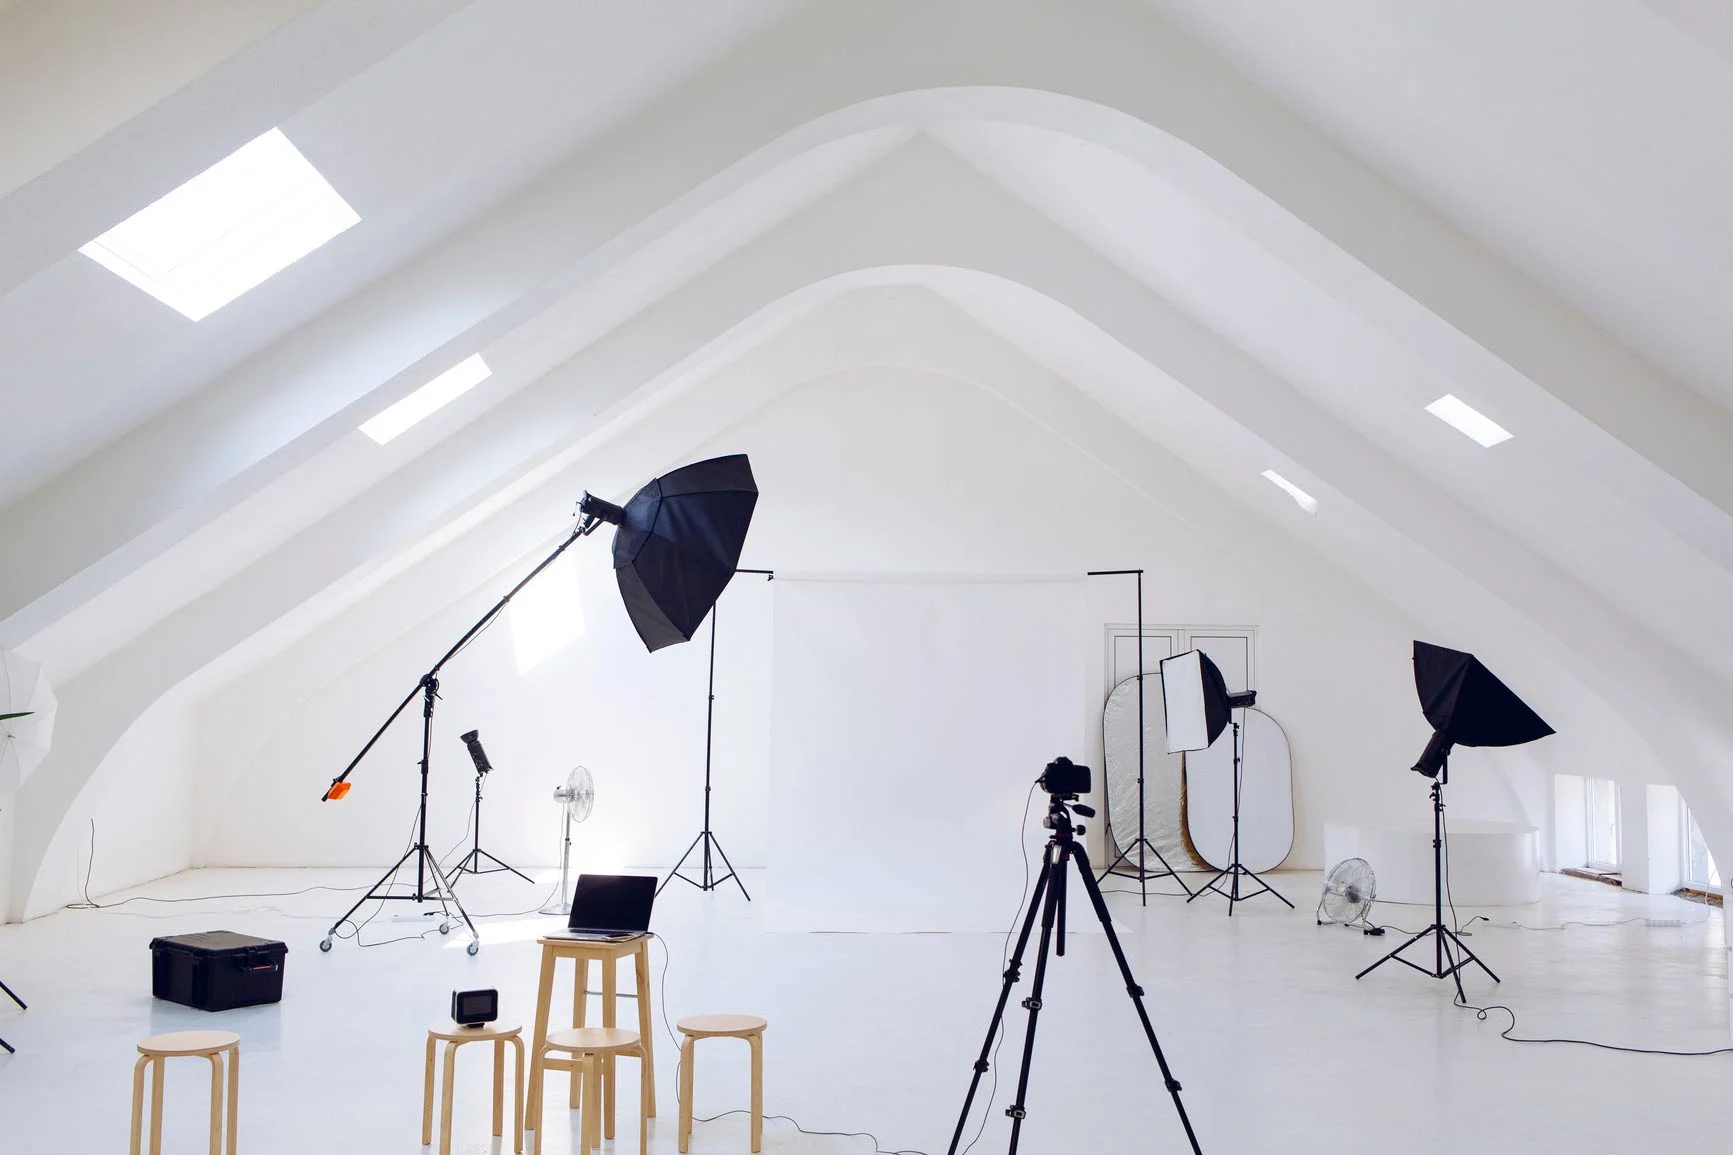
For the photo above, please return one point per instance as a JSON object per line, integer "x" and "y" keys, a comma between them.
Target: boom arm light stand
{"x": 1122, "y": 865}
{"x": 427, "y": 869}
{"x": 706, "y": 841}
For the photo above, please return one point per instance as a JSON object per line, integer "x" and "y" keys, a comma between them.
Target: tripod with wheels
{"x": 1447, "y": 945}
{"x": 472, "y": 862}
{"x": 1235, "y": 869}
{"x": 1048, "y": 900}
{"x": 13, "y": 995}
{"x": 706, "y": 842}
{"x": 1123, "y": 865}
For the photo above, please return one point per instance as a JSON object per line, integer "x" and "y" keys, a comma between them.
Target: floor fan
{"x": 1349, "y": 891}
{"x": 577, "y": 797}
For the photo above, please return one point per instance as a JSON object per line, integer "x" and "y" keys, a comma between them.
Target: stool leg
{"x": 592, "y": 1123}
{"x": 757, "y": 1042}
{"x": 644, "y": 1104}
{"x": 156, "y": 1073}
{"x": 687, "y": 1054}
{"x": 610, "y": 997}
{"x": 517, "y": 1102}
{"x": 445, "y": 1081}
{"x": 138, "y": 1104}
{"x": 533, "y": 1101}
{"x": 427, "y": 1095}
{"x": 580, "y": 1008}
{"x": 498, "y": 1088}
{"x": 217, "y": 1103}
{"x": 641, "y": 964}
{"x": 234, "y": 1096}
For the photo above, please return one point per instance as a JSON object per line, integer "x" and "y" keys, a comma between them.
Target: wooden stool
{"x": 594, "y": 1050}
{"x": 583, "y": 953}
{"x": 454, "y": 1036}
{"x": 748, "y": 1027}
{"x": 212, "y": 1045}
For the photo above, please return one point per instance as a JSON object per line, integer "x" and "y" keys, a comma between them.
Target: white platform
{"x": 1491, "y": 863}
{"x": 1260, "y": 1015}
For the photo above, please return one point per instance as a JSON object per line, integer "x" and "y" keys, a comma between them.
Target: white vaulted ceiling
{"x": 1246, "y": 236}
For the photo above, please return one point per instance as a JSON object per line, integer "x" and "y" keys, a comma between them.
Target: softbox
{"x": 1467, "y": 706}
{"x": 1194, "y": 696}
{"x": 678, "y": 543}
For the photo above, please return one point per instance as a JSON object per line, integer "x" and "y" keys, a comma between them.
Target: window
{"x": 1602, "y": 834}
{"x": 1699, "y": 866}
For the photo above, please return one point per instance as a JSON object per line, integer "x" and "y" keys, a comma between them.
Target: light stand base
{"x": 472, "y": 864}
{"x": 1446, "y": 963}
{"x": 13, "y": 995}
{"x": 1232, "y": 891}
{"x": 1132, "y": 863}
{"x": 707, "y": 879}
{"x": 441, "y": 893}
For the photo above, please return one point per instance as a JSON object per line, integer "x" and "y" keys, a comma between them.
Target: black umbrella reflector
{"x": 1194, "y": 697}
{"x": 678, "y": 543}
{"x": 1467, "y": 706}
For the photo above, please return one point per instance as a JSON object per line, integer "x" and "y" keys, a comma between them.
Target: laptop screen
{"x": 612, "y": 902}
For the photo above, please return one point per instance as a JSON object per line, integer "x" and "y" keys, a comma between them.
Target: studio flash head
{"x": 1063, "y": 776}
{"x": 476, "y": 753}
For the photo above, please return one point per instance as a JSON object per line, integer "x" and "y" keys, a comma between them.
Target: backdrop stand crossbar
{"x": 1123, "y": 865}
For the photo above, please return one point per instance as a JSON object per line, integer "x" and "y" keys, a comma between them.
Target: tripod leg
{"x": 1131, "y": 988}
{"x": 372, "y": 893}
{"x": 1013, "y": 971}
{"x": 675, "y": 873}
{"x": 1394, "y": 953}
{"x": 11, "y": 994}
{"x": 448, "y": 898}
{"x": 498, "y": 867}
{"x": 732, "y": 873}
{"x": 1032, "y": 1004}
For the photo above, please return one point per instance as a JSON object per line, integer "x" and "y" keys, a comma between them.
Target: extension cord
{"x": 1663, "y": 922}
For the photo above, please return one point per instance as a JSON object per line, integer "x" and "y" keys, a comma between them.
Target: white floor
{"x": 1278, "y": 1047}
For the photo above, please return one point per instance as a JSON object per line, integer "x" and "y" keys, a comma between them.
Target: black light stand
{"x": 472, "y": 862}
{"x": 426, "y": 862}
{"x": 1141, "y": 871}
{"x": 706, "y": 841}
{"x": 1446, "y": 944}
{"x": 1049, "y": 900}
{"x": 1235, "y": 869}
{"x": 13, "y": 995}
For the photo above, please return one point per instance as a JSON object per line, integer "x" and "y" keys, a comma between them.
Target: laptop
{"x": 609, "y": 907}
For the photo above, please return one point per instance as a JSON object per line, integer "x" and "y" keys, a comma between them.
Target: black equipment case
{"x": 217, "y": 970}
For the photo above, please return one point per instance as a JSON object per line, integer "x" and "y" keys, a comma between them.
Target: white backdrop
{"x": 909, "y": 716}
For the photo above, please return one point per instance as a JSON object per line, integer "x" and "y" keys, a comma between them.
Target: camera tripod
{"x": 1062, "y": 849}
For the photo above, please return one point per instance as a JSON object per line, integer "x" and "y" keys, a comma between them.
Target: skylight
{"x": 435, "y": 395}
{"x": 1467, "y": 420}
{"x": 1301, "y": 498}
{"x": 241, "y": 221}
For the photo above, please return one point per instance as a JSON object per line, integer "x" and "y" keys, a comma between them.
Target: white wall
{"x": 884, "y": 470}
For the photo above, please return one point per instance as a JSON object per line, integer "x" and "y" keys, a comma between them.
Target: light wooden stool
{"x": 748, "y": 1027}
{"x": 594, "y": 1050}
{"x": 454, "y": 1036}
{"x": 212, "y": 1045}
{"x": 582, "y": 953}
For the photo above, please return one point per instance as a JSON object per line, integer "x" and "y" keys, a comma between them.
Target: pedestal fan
{"x": 577, "y": 797}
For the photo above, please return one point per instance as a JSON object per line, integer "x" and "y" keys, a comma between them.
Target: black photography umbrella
{"x": 678, "y": 542}
{"x": 1467, "y": 706}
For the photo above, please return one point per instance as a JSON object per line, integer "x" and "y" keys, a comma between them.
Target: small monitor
{"x": 474, "y": 1008}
